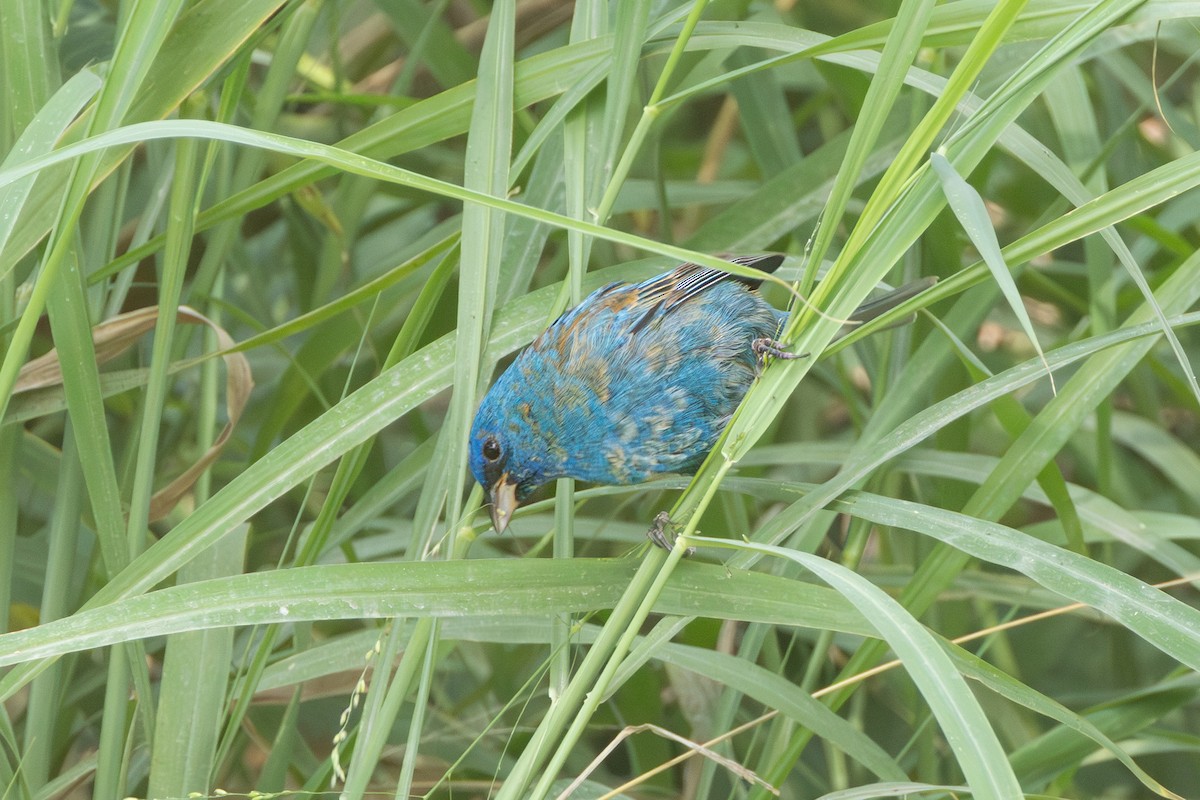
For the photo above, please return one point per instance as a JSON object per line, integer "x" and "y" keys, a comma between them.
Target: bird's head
{"x": 503, "y": 459}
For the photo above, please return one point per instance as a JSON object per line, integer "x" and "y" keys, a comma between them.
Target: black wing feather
{"x": 689, "y": 280}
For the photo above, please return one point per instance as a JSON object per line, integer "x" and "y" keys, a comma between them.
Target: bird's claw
{"x": 662, "y": 533}
{"x": 765, "y": 346}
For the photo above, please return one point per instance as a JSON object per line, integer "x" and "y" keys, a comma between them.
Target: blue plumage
{"x": 635, "y": 381}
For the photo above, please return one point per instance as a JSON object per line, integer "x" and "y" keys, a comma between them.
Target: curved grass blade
{"x": 967, "y": 729}
{"x": 968, "y": 206}
{"x": 497, "y": 588}
{"x": 1166, "y": 623}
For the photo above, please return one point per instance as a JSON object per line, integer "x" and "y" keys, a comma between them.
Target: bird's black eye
{"x": 491, "y": 449}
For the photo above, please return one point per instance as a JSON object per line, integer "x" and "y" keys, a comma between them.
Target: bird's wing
{"x": 637, "y": 305}
{"x": 668, "y": 291}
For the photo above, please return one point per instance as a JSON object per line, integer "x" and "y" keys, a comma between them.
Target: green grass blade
{"x": 966, "y": 727}
{"x": 195, "y": 669}
{"x": 38, "y": 139}
{"x": 543, "y": 587}
{"x": 968, "y": 206}
{"x": 1169, "y": 624}
{"x": 898, "y": 53}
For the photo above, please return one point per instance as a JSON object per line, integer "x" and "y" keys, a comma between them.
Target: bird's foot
{"x": 662, "y": 533}
{"x": 770, "y": 347}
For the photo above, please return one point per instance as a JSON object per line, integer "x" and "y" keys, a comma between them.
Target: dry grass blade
{"x": 695, "y": 748}
{"x": 114, "y": 337}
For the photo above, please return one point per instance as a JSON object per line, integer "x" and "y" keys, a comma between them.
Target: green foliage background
{"x": 380, "y": 201}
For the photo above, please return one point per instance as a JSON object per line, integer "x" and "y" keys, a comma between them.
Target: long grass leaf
{"x": 968, "y": 206}
{"x": 968, "y": 733}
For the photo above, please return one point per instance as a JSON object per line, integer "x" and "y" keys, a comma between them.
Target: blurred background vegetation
{"x": 238, "y": 543}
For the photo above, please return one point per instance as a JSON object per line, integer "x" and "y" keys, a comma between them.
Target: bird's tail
{"x": 879, "y": 306}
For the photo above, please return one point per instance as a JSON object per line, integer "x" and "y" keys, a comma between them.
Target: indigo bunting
{"x": 637, "y": 380}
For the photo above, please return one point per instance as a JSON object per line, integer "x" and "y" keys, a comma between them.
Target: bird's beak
{"x": 504, "y": 502}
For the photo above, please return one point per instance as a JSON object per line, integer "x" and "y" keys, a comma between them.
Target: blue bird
{"x": 635, "y": 381}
